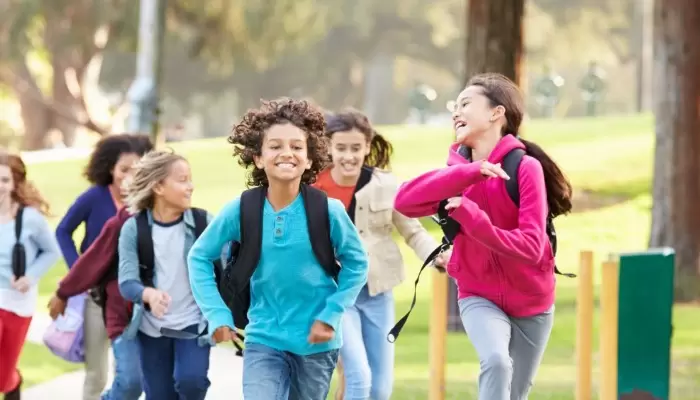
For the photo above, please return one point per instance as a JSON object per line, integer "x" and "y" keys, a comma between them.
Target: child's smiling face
{"x": 284, "y": 154}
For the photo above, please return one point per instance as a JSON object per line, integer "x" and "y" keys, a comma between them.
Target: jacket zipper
{"x": 494, "y": 261}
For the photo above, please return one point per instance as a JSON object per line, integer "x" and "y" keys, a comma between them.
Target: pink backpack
{"x": 64, "y": 337}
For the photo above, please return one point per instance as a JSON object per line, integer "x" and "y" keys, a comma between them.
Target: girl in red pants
{"x": 27, "y": 250}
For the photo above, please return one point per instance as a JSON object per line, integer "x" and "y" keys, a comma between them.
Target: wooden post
{"x": 608, "y": 330}
{"x": 438, "y": 336}
{"x": 584, "y": 328}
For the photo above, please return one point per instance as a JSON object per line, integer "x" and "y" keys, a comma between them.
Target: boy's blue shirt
{"x": 289, "y": 289}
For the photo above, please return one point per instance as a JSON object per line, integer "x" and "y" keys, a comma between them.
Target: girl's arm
{"x": 224, "y": 228}
{"x": 415, "y": 235}
{"x": 76, "y": 215}
{"x": 92, "y": 265}
{"x": 48, "y": 252}
{"x": 528, "y": 240}
{"x": 353, "y": 260}
{"x": 130, "y": 285}
{"x": 420, "y": 196}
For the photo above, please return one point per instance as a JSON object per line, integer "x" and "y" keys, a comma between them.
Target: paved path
{"x": 225, "y": 373}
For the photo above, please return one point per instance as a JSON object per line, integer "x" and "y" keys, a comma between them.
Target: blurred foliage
{"x": 321, "y": 48}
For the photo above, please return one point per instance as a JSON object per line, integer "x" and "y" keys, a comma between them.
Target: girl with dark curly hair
{"x": 293, "y": 336}
{"x": 109, "y": 165}
{"x": 360, "y": 179}
{"x": 20, "y": 203}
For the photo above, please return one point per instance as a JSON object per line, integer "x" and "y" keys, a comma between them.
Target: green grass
{"x": 38, "y": 364}
{"x": 609, "y": 161}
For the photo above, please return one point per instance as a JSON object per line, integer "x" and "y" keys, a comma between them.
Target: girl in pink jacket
{"x": 502, "y": 259}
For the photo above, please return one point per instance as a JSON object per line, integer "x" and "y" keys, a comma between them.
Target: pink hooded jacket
{"x": 502, "y": 253}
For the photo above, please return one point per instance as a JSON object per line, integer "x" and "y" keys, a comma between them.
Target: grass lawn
{"x": 38, "y": 364}
{"x": 609, "y": 163}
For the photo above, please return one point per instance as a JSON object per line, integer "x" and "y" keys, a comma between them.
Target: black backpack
{"x": 19, "y": 257}
{"x": 450, "y": 227}
{"x": 235, "y": 282}
{"x": 145, "y": 244}
{"x": 147, "y": 264}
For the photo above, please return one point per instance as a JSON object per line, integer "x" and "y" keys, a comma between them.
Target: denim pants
{"x": 368, "y": 358}
{"x": 174, "y": 368}
{"x": 127, "y": 383}
{"x": 270, "y": 374}
{"x": 510, "y": 349}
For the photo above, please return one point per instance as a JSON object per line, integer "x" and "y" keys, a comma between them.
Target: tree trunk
{"x": 675, "y": 215}
{"x": 36, "y": 116}
{"x": 494, "y": 38}
{"x": 66, "y": 117}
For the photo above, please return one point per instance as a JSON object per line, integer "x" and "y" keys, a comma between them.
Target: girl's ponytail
{"x": 380, "y": 152}
{"x": 558, "y": 187}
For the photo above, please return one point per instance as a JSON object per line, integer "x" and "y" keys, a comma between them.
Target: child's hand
{"x": 443, "y": 258}
{"x": 158, "y": 300}
{"x": 320, "y": 333}
{"x": 22, "y": 284}
{"x": 57, "y": 307}
{"x": 223, "y": 334}
{"x": 493, "y": 170}
{"x": 453, "y": 202}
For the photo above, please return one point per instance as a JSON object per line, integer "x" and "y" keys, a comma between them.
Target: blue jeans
{"x": 127, "y": 375}
{"x": 368, "y": 358}
{"x": 174, "y": 368}
{"x": 271, "y": 374}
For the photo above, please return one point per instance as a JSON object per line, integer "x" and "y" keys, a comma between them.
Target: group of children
{"x": 150, "y": 260}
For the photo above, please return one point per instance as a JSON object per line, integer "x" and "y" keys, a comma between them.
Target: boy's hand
{"x": 320, "y": 333}
{"x": 223, "y": 334}
{"x": 158, "y": 300}
{"x": 57, "y": 307}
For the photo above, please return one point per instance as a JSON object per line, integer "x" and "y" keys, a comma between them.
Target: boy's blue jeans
{"x": 127, "y": 375}
{"x": 279, "y": 375}
{"x": 174, "y": 368}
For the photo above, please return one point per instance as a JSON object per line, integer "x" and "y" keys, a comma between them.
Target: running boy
{"x": 293, "y": 335}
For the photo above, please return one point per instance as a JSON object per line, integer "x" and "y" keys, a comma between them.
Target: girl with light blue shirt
{"x": 293, "y": 334}
{"x": 166, "y": 319}
{"x": 20, "y": 203}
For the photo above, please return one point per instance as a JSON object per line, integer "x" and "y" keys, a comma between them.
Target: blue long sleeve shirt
{"x": 289, "y": 288}
{"x": 94, "y": 207}
{"x": 41, "y": 253}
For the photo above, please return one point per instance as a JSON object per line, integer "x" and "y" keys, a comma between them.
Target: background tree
{"x": 494, "y": 37}
{"x": 675, "y": 212}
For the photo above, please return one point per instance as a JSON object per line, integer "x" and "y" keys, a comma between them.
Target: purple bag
{"x": 64, "y": 337}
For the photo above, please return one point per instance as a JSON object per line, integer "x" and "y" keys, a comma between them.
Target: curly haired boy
{"x": 293, "y": 336}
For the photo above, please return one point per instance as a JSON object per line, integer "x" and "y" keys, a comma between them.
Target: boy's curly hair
{"x": 247, "y": 136}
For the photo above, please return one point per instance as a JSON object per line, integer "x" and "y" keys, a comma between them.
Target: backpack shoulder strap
{"x": 510, "y": 164}
{"x": 318, "y": 220}
{"x": 145, "y": 249}
{"x": 365, "y": 176}
{"x": 200, "y": 216}
{"x": 251, "y": 214}
{"x": 18, "y": 223}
